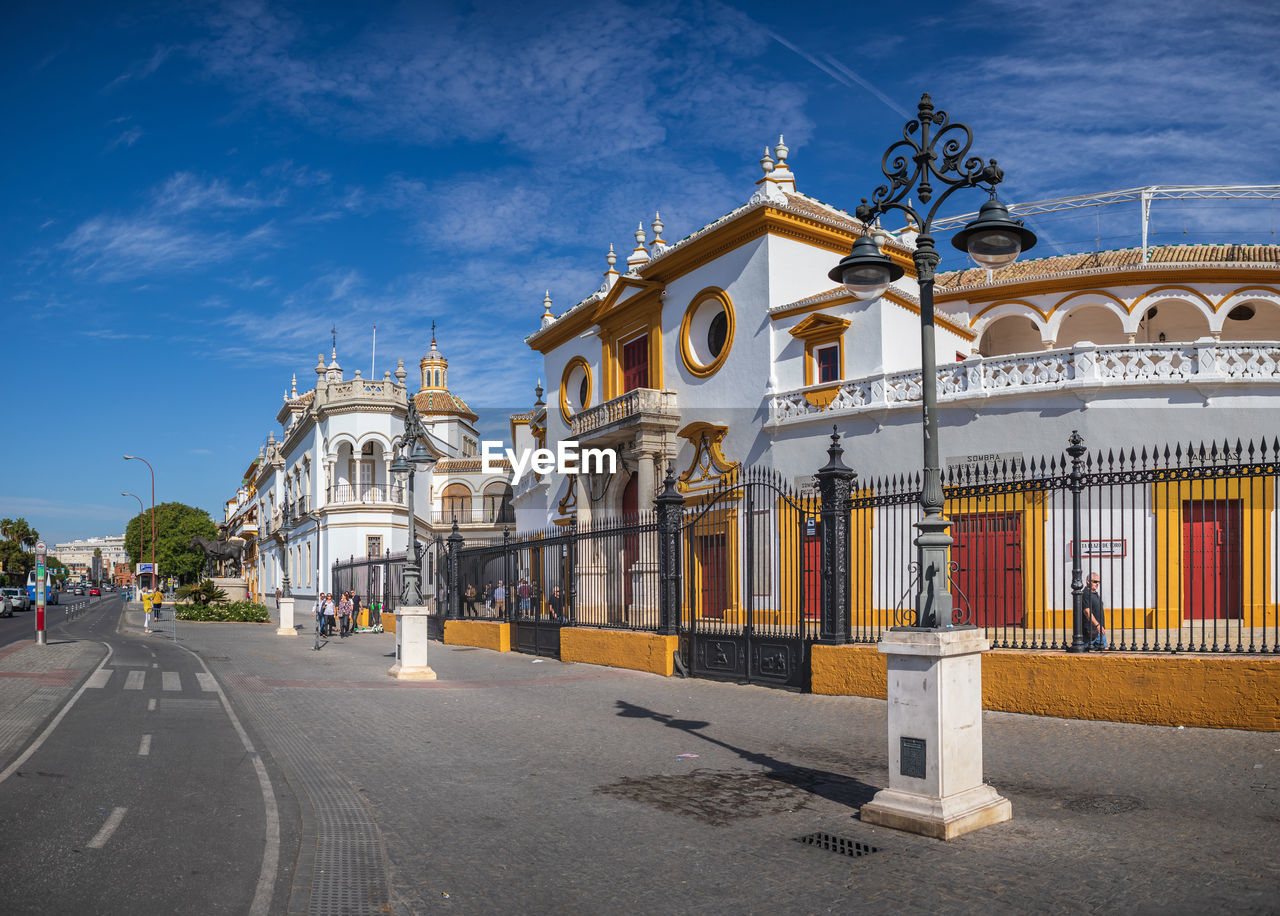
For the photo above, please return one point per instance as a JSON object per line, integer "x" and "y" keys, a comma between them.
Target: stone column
{"x": 411, "y": 643}
{"x": 935, "y": 736}
{"x": 286, "y": 618}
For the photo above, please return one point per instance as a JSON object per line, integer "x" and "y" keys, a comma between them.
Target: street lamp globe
{"x": 994, "y": 239}
{"x": 866, "y": 271}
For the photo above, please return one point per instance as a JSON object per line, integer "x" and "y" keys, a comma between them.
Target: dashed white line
{"x": 206, "y": 681}
{"x": 169, "y": 680}
{"x": 144, "y": 749}
{"x": 135, "y": 680}
{"x": 151, "y": 705}
{"x": 99, "y": 679}
{"x": 113, "y": 821}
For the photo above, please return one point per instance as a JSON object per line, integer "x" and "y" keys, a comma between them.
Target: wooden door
{"x": 712, "y": 576}
{"x": 988, "y": 550}
{"x": 635, "y": 363}
{"x": 1211, "y": 569}
{"x": 812, "y": 569}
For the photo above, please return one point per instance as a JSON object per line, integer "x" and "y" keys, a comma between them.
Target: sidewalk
{"x": 536, "y": 786}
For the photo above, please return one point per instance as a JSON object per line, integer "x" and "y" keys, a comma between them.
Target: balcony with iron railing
{"x": 617, "y": 417}
{"x": 504, "y": 515}
{"x": 366, "y": 494}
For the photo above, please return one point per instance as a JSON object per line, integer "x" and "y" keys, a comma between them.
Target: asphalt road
{"x": 144, "y": 797}
{"x": 22, "y": 625}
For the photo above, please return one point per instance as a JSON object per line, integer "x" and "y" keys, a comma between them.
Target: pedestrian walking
{"x": 500, "y": 600}
{"x": 146, "y": 610}
{"x": 470, "y": 594}
{"x": 344, "y": 615}
{"x": 488, "y": 599}
{"x": 555, "y": 604}
{"x": 1094, "y": 618}
{"x": 330, "y": 612}
{"x": 278, "y": 597}
{"x": 522, "y": 592}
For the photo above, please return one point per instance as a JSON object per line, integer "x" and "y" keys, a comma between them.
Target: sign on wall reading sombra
{"x": 987, "y": 459}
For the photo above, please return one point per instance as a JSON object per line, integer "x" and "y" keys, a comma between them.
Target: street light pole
{"x": 141, "y": 515}
{"x": 993, "y": 240}
{"x": 411, "y": 453}
{"x": 155, "y": 579}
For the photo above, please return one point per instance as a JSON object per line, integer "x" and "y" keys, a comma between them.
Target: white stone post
{"x": 411, "y": 644}
{"x": 286, "y": 618}
{"x": 935, "y": 736}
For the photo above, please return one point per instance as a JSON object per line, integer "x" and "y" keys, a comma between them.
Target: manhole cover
{"x": 713, "y": 798}
{"x": 837, "y": 844}
{"x": 1103, "y": 804}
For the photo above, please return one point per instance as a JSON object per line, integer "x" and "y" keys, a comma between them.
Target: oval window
{"x": 583, "y": 391}
{"x": 717, "y": 333}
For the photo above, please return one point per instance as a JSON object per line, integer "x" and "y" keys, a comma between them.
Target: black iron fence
{"x": 1158, "y": 549}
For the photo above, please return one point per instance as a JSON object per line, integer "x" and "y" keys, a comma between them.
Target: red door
{"x": 635, "y": 363}
{"x": 988, "y": 550}
{"x": 711, "y": 557}
{"x": 1211, "y": 568}
{"x": 812, "y": 570}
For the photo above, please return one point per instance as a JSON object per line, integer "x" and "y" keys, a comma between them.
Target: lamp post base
{"x": 286, "y": 618}
{"x": 411, "y": 645}
{"x": 935, "y": 736}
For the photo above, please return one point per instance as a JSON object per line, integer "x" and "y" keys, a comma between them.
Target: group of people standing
{"x": 337, "y": 615}
{"x": 525, "y": 593}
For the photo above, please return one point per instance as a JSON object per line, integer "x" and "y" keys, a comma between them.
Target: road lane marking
{"x": 151, "y": 705}
{"x": 271, "y": 849}
{"x": 99, "y": 679}
{"x": 113, "y": 821}
{"x": 135, "y": 680}
{"x": 35, "y": 745}
{"x": 206, "y": 681}
{"x": 144, "y": 749}
{"x": 169, "y": 680}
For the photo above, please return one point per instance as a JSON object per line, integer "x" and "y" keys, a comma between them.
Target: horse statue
{"x": 228, "y": 552}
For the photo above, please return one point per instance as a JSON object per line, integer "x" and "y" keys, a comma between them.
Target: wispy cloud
{"x": 125, "y": 139}
{"x": 122, "y": 248}
{"x": 141, "y": 69}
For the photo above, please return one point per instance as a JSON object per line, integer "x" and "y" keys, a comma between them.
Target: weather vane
{"x": 334, "y": 332}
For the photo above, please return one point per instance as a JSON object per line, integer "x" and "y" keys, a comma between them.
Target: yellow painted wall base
{"x": 481, "y": 633}
{"x": 389, "y": 619}
{"x": 1198, "y": 692}
{"x": 649, "y": 652}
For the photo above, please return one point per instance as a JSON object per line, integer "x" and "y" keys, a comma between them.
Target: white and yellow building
{"x": 731, "y": 348}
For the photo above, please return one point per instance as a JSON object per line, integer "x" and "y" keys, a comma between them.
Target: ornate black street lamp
{"x": 411, "y": 454}
{"x": 993, "y": 240}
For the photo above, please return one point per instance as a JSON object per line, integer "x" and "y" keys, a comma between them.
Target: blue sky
{"x": 195, "y": 193}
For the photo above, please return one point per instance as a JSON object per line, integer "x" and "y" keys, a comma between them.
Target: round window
{"x": 717, "y": 332}
{"x": 583, "y": 392}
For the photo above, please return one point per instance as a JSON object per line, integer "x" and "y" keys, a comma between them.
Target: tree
{"x": 176, "y": 525}
{"x": 57, "y": 570}
{"x": 15, "y": 556}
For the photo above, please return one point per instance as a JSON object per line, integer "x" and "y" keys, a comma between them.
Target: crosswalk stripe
{"x": 206, "y": 681}
{"x": 135, "y": 680}
{"x": 99, "y": 678}
{"x": 169, "y": 680}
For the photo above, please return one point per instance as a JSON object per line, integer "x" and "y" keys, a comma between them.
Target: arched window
{"x": 497, "y": 503}
{"x": 457, "y": 503}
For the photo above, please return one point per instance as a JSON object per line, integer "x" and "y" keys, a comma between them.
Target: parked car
{"x": 79, "y": 590}
{"x": 94, "y": 590}
{"x": 17, "y": 599}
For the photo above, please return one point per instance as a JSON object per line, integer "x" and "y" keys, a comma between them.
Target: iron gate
{"x": 750, "y": 560}
{"x": 529, "y": 583}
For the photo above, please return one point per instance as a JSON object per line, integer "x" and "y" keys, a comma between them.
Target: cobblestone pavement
{"x": 512, "y": 784}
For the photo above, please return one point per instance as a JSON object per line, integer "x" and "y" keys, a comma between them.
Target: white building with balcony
{"x": 730, "y": 347}
{"x": 325, "y": 490}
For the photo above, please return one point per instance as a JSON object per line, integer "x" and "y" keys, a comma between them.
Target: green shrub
{"x": 202, "y": 593}
{"x": 234, "y": 612}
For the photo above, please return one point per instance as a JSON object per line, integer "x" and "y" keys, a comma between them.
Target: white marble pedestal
{"x": 236, "y": 589}
{"x": 286, "y": 618}
{"x": 935, "y": 736}
{"x": 411, "y": 645}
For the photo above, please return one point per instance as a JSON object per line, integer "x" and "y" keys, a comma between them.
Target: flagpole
{"x": 373, "y": 357}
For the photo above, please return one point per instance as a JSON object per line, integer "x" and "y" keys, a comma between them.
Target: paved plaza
{"x": 513, "y": 784}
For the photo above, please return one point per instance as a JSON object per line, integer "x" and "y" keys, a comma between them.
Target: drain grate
{"x": 838, "y": 844}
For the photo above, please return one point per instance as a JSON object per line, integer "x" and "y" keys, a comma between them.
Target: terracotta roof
{"x": 459, "y": 465}
{"x": 443, "y": 402}
{"x": 1113, "y": 260}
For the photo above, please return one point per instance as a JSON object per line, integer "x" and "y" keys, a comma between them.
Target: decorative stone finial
{"x": 357, "y": 373}
{"x": 401, "y": 375}
{"x": 611, "y": 257}
{"x": 537, "y": 391}
{"x": 657, "y": 227}
{"x": 294, "y": 386}
{"x": 320, "y": 364}
{"x": 546, "y": 305}
{"x": 640, "y": 254}
{"x": 766, "y": 162}
{"x": 780, "y": 151}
